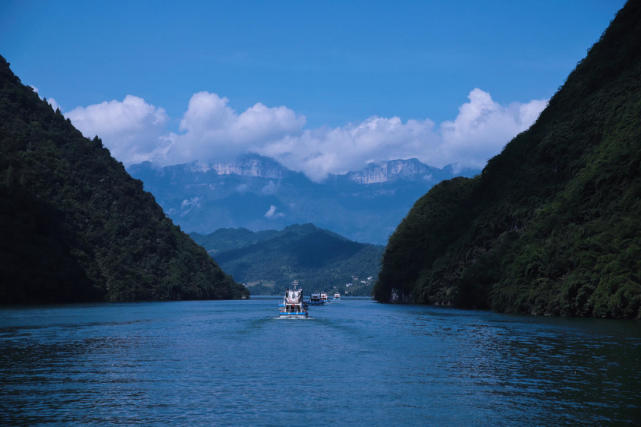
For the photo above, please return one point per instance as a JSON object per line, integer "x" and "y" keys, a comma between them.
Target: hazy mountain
{"x": 395, "y": 170}
{"x": 225, "y": 239}
{"x": 250, "y": 165}
{"x": 268, "y": 261}
{"x": 76, "y": 227}
{"x": 552, "y": 225}
{"x": 258, "y": 193}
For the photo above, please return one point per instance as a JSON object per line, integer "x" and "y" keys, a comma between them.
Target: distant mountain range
{"x": 268, "y": 261}
{"x": 258, "y": 193}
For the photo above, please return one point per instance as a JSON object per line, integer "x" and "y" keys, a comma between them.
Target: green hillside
{"x": 76, "y": 227}
{"x": 268, "y": 261}
{"x": 225, "y": 239}
{"x": 553, "y": 224}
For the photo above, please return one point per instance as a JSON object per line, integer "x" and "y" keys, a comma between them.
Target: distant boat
{"x": 293, "y": 306}
{"x": 337, "y": 296}
{"x": 323, "y": 297}
{"x": 316, "y": 299}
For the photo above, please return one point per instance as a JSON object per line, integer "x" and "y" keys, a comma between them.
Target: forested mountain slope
{"x": 268, "y": 261}
{"x": 553, "y": 224}
{"x": 225, "y": 239}
{"x": 75, "y": 226}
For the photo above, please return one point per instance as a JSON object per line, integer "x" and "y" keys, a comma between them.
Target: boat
{"x": 323, "y": 297}
{"x": 315, "y": 299}
{"x": 293, "y": 305}
{"x": 337, "y": 296}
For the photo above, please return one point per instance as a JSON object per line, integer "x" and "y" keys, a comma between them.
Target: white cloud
{"x": 50, "y": 101}
{"x": 210, "y": 130}
{"x": 480, "y": 130}
{"x": 271, "y": 212}
{"x": 188, "y": 205}
{"x": 130, "y": 128}
{"x": 54, "y": 104}
{"x": 322, "y": 151}
{"x": 483, "y": 127}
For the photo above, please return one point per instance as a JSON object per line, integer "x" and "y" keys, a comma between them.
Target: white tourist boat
{"x": 293, "y": 306}
{"x": 315, "y": 299}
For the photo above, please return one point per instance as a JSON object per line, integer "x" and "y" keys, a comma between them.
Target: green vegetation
{"x": 225, "y": 239}
{"x": 268, "y": 261}
{"x": 552, "y": 225}
{"x": 76, "y": 227}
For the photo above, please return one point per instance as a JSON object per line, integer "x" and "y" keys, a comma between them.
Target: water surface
{"x": 355, "y": 362}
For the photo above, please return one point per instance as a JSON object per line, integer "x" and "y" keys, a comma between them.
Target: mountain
{"x": 552, "y": 225}
{"x": 248, "y": 165}
{"x": 76, "y": 227}
{"x": 395, "y": 170}
{"x": 258, "y": 193}
{"x": 225, "y": 239}
{"x": 268, "y": 261}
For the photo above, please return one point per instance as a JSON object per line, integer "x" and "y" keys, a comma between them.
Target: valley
{"x": 266, "y": 262}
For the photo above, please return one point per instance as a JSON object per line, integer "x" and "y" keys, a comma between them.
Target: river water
{"x": 354, "y": 362}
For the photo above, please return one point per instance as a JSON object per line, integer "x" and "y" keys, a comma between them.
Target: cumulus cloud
{"x": 210, "y": 130}
{"x": 480, "y": 130}
{"x": 322, "y": 151}
{"x": 132, "y": 129}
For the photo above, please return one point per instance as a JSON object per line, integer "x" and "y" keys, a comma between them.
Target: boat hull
{"x": 293, "y": 316}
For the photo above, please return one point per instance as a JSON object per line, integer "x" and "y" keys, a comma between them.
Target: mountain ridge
{"x": 256, "y": 165}
{"x": 76, "y": 227}
{"x": 200, "y": 199}
{"x": 551, "y": 225}
{"x": 268, "y": 261}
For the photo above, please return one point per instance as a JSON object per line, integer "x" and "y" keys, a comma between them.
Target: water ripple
{"x": 358, "y": 362}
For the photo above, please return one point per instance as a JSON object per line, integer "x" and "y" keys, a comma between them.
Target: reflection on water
{"x": 231, "y": 362}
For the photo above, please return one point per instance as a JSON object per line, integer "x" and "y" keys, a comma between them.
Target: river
{"x": 354, "y": 362}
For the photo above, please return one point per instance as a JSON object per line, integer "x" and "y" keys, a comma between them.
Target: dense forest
{"x": 268, "y": 261}
{"x": 76, "y": 227}
{"x": 552, "y": 225}
{"x": 225, "y": 239}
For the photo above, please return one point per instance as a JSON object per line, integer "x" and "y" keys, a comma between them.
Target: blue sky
{"x": 331, "y": 63}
